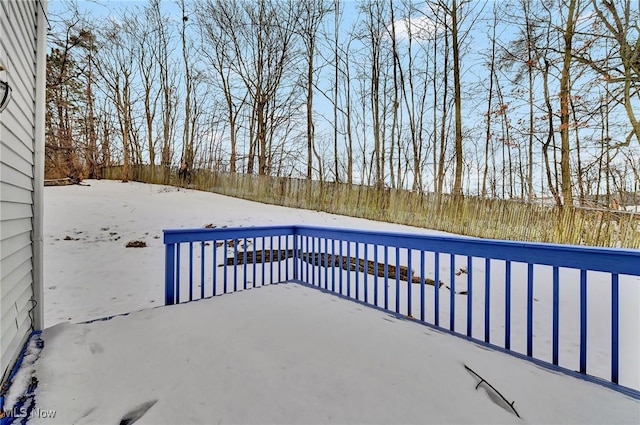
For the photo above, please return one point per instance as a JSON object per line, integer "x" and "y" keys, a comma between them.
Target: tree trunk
{"x": 457, "y": 184}
{"x": 565, "y": 92}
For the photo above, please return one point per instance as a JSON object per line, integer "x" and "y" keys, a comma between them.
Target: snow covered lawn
{"x": 277, "y": 354}
{"x": 89, "y": 274}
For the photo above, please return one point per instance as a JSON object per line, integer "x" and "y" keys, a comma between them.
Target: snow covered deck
{"x": 288, "y": 353}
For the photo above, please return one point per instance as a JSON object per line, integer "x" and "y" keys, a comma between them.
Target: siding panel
{"x": 15, "y": 285}
{"x": 14, "y": 302}
{"x": 16, "y": 129}
{"x": 20, "y": 158}
{"x": 12, "y": 210}
{"x": 9, "y": 246}
{"x": 20, "y": 48}
{"x": 12, "y": 176}
{"x": 17, "y": 339}
{"x": 11, "y": 193}
{"x": 18, "y": 41}
{"x": 9, "y": 228}
{"x": 10, "y": 346}
{"x": 15, "y": 133}
{"x": 13, "y": 261}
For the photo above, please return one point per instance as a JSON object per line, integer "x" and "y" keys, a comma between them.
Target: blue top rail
{"x": 610, "y": 260}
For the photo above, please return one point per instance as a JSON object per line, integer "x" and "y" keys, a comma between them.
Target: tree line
{"x": 521, "y": 99}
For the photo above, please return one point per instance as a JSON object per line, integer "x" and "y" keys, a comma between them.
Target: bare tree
{"x": 188, "y": 154}
{"x": 489, "y": 114}
{"x": 263, "y": 39}
{"x": 66, "y": 96}
{"x": 573, "y": 11}
{"x": 455, "y": 33}
{"x": 118, "y": 72}
{"x": 374, "y": 29}
{"x": 162, "y": 50}
{"x": 619, "y": 62}
{"x": 219, "y": 48}
{"x": 312, "y": 15}
{"x": 147, "y": 36}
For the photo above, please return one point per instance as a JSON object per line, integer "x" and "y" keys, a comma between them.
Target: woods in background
{"x": 515, "y": 100}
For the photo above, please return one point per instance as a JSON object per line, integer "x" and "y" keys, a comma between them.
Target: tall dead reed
{"x": 471, "y": 216}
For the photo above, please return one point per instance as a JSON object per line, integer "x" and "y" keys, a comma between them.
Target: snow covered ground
{"x": 89, "y": 272}
{"x": 278, "y": 354}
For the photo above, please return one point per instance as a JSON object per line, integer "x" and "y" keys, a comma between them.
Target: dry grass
{"x": 472, "y": 216}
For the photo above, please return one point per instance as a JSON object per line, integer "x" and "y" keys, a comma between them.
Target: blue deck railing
{"x": 572, "y": 307}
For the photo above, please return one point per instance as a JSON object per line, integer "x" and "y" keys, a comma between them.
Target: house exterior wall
{"x": 22, "y": 54}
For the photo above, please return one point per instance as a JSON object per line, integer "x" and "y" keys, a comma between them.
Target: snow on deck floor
{"x": 291, "y": 354}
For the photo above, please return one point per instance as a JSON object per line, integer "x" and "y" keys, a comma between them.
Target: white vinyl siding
{"x": 18, "y": 45}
